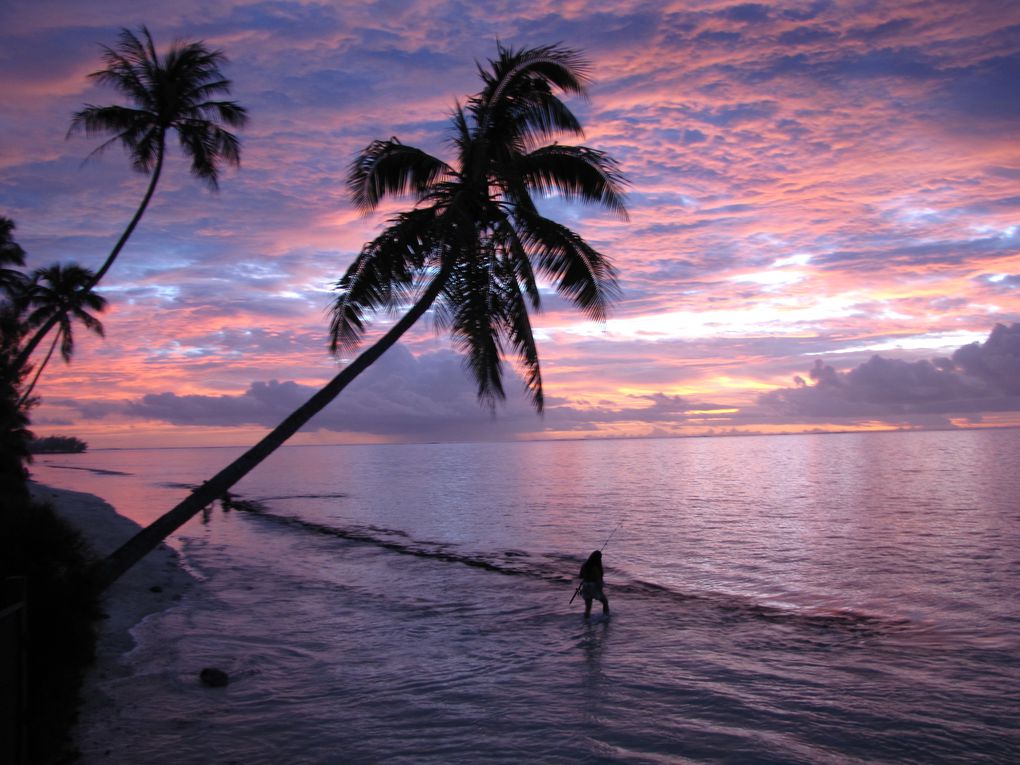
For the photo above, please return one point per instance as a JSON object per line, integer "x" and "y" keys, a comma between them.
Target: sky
{"x": 823, "y": 232}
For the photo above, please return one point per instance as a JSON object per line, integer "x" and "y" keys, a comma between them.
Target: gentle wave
{"x": 550, "y": 568}
{"x": 93, "y": 470}
{"x": 303, "y": 496}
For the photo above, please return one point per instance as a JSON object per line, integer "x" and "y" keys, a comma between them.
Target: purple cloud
{"x": 995, "y": 362}
{"x": 979, "y": 377}
{"x": 426, "y": 397}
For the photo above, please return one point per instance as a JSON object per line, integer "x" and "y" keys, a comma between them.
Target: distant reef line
{"x": 57, "y": 445}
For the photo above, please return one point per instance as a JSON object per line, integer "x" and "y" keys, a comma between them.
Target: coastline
{"x": 158, "y": 582}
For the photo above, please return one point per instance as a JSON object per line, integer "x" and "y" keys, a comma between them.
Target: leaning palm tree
{"x": 470, "y": 248}
{"x": 61, "y": 295}
{"x": 169, "y": 94}
{"x": 174, "y": 93}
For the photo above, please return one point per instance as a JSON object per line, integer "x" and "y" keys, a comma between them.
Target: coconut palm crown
{"x": 60, "y": 295}
{"x": 175, "y": 92}
{"x": 59, "y": 291}
{"x": 476, "y": 241}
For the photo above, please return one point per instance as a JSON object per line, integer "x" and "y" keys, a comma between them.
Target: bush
{"x": 63, "y": 606}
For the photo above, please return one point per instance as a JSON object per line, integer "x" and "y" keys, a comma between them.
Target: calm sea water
{"x": 843, "y": 598}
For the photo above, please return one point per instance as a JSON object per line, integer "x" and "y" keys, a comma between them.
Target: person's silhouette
{"x": 591, "y": 583}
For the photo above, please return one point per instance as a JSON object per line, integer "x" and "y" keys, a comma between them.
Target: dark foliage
{"x": 63, "y": 606}
{"x": 57, "y": 445}
{"x": 14, "y": 433}
{"x": 62, "y": 599}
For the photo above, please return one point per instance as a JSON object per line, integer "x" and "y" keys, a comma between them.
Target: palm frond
{"x": 577, "y": 173}
{"x": 208, "y": 146}
{"x": 517, "y": 260}
{"x": 126, "y": 70}
{"x": 579, "y": 271}
{"x": 11, "y": 253}
{"x": 66, "y": 341}
{"x": 90, "y": 322}
{"x": 198, "y": 90}
{"x": 539, "y": 117}
{"x": 461, "y": 138}
{"x": 96, "y": 120}
{"x": 530, "y": 115}
{"x": 382, "y": 276}
{"x": 229, "y": 112}
{"x": 525, "y": 74}
{"x": 475, "y": 329}
{"x": 390, "y": 167}
{"x": 522, "y": 338}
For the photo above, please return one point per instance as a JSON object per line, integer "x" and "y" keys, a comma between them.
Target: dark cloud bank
{"x": 977, "y": 378}
{"x": 426, "y": 398}
{"x": 431, "y": 397}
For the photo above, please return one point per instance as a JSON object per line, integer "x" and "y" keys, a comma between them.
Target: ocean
{"x": 823, "y": 598}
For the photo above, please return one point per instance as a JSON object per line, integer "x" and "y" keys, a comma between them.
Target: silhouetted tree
{"x": 39, "y": 546}
{"x": 168, "y": 94}
{"x": 11, "y": 280}
{"x": 58, "y": 296}
{"x": 14, "y": 433}
{"x": 471, "y": 247}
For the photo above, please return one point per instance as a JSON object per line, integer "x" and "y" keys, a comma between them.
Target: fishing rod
{"x": 612, "y": 533}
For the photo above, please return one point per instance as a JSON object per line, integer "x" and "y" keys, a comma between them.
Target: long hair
{"x": 592, "y": 568}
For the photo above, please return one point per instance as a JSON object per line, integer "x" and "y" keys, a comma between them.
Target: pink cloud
{"x": 805, "y": 179}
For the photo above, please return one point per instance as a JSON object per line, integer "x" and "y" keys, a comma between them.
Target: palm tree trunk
{"x": 36, "y": 339}
{"x": 156, "y": 171}
{"x": 112, "y": 567}
{"x": 28, "y": 392}
{"x": 23, "y": 357}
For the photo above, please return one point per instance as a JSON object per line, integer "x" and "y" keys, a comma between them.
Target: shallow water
{"x": 817, "y": 598}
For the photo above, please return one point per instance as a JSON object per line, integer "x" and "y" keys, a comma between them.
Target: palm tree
{"x": 471, "y": 247}
{"x": 168, "y": 94}
{"x": 59, "y": 295}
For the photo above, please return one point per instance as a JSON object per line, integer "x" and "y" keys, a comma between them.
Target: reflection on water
{"x": 824, "y": 598}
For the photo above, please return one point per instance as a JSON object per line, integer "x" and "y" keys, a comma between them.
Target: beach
{"x": 156, "y": 583}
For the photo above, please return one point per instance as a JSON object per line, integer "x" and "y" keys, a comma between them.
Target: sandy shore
{"x": 156, "y": 583}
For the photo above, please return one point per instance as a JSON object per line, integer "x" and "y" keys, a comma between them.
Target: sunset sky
{"x": 824, "y": 226}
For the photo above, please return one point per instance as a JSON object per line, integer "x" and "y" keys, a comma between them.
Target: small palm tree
{"x": 60, "y": 295}
{"x": 471, "y": 247}
{"x": 169, "y": 94}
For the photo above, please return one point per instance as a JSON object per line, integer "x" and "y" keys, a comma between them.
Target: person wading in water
{"x": 591, "y": 583}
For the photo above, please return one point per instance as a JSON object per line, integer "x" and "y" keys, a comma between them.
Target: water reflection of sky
{"x": 856, "y": 520}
